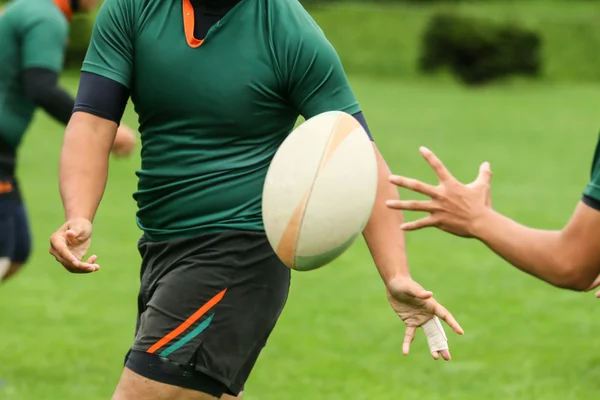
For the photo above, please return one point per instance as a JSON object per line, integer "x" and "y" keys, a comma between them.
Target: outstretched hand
{"x": 417, "y": 308}
{"x": 453, "y": 207}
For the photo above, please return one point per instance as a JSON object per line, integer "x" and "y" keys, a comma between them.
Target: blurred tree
{"x": 479, "y": 50}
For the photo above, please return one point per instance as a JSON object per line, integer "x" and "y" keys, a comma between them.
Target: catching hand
{"x": 417, "y": 308}
{"x": 70, "y": 244}
{"x": 453, "y": 207}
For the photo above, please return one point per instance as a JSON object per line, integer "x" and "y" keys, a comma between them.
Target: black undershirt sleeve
{"x": 591, "y": 202}
{"x": 41, "y": 86}
{"x": 360, "y": 117}
{"x": 101, "y": 97}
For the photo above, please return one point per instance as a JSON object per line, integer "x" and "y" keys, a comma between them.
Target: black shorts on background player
{"x": 208, "y": 303}
{"x": 15, "y": 238}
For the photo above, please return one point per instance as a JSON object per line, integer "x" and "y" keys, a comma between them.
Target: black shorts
{"x": 206, "y": 308}
{"x": 15, "y": 237}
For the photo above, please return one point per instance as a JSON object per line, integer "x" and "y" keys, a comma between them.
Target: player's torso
{"x": 16, "y": 109}
{"x": 212, "y": 116}
{"x": 225, "y": 82}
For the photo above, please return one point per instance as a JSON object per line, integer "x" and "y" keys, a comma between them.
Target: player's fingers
{"x": 409, "y": 336}
{"x": 91, "y": 262}
{"x": 62, "y": 254}
{"x": 598, "y": 294}
{"x": 92, "y": 259}
{"x": 61, "y": 260}
{"x": 441, "y": 312}
{"x": 414, "y": 185}
{"x": 412, "y": 205}
{"x": 438, "y": 166}
{"x": 419, "y": 224}
{"x": 87, "y": 266}
{"x": 446, "y": 355}
{"x": 77, "y": 235}
{"x": 436, "y": 337}
{"x": 594, "y": 285}
{"x": 485, "y": 174}
{"x": 80, "y": 269}
{"x": 60, "y": 248}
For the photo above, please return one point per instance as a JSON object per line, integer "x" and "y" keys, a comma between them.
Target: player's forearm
{"x": 540, "y": 253}
{"x": 84, "y": 164}
{"x": 382, "y": 234}
{"x": 41, "y": 85}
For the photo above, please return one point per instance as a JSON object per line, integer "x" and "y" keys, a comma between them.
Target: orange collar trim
{"x": 188, "y": 24}
{"x": 65, "y": 7}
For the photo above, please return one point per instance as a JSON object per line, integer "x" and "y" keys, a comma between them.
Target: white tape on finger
{"x": 436, "y": 337}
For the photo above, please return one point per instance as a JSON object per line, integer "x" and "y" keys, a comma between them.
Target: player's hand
{"x": 71, "y": 243}
{"x": 595, "y": 285}
{"x": 453, "y": 207}
{"x": 124, "y": 142}
{"x": 417, "y": 308}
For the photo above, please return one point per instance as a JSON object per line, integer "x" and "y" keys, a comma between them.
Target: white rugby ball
{"x": 319, "y": 190}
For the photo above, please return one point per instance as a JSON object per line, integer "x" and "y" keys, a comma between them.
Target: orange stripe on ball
{"x": 286, "y": 249}
{"x": 343, "y": 127}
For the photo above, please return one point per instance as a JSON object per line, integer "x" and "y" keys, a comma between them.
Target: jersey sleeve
{"x": 110, "y": 53}
{"x": 314, "y": 80}
{"x": 44, "y": 44}
{"x": 592, "y": 189}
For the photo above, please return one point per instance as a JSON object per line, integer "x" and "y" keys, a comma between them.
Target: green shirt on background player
{"x": 568, "y": 258}
{"x": 34, "y": 38}
{"x": 217, "y": 86}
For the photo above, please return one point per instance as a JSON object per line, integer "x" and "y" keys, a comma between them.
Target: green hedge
{"x": 386, "y": 40}
{"x": 478, "y": 50}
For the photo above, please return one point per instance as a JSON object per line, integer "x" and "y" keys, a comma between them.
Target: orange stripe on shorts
{"x": 188, "y": 322}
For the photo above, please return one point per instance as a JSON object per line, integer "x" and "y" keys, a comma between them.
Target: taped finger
{"x": 436, "y": 337}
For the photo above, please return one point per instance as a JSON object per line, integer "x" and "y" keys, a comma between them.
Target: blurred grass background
{"x": 382, "y": 38}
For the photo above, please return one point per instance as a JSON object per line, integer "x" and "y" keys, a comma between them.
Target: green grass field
{"x": 64, "y": 336}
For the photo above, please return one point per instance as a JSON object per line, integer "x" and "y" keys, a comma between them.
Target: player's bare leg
{"x": 135, "y": 387}
{"x": 11, "y": 271}
{"x": 228, "y": 397}
{"x": 4, "y": 267}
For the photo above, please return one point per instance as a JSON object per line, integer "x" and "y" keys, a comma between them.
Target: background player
{"x": 217, "y": 87}
{"x": 569, "y": 258}
{"x": 34, "y": 37}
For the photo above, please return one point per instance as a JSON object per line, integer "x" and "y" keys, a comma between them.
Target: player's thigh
{"x": 136, "y": 387}
{"x": 209, "y": 305}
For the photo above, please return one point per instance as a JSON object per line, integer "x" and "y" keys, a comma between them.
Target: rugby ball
{"x": 319, "y": 190}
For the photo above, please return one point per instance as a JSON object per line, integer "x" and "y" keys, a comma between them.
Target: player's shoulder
{"x": 124, "y": 7}
{"x": 31, "y": 14}
{"x": 292, "y": 16}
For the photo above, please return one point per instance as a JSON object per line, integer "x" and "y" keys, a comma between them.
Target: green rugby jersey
{"x": 213, "y": 112}
{"x": 593, "y": 188}
{"x": 33, "y": 35}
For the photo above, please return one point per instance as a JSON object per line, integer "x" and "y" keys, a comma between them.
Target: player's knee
{"x": 228, "y": 397}
{"x": 5, "y": 266}
{"x": 152, "y": 374}
{"x": 12, "y": 270}
{"x": 133, "y": 386}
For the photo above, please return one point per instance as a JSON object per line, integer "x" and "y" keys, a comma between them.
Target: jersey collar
{"x": 65, "y": 7}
